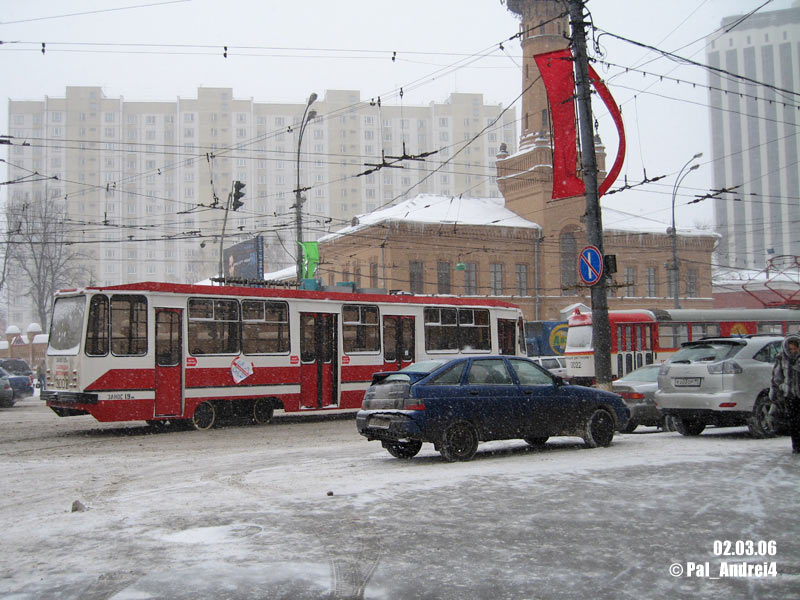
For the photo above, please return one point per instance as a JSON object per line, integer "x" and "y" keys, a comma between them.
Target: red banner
{"x": 559, "y": 81}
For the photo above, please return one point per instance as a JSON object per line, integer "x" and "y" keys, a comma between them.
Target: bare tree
{"x": 40, "y": 252}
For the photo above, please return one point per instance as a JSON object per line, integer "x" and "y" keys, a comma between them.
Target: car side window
{"x": 768, "y": 353}
{"x": 489, "y": 372}
{"x": 450, "y": 377}
{"x": 529, "y": 374}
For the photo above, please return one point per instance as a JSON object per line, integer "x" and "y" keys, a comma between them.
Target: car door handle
{"x": 474, "y": 392}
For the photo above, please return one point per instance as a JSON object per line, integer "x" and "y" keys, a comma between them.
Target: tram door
{"x": 319, "y": 368}
{"x": 635, "y": 345}
{"x": 398, "y": 342}
{"x": 169, "y": 363}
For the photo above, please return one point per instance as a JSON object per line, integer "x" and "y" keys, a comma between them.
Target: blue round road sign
{"x": 590, "y": 265}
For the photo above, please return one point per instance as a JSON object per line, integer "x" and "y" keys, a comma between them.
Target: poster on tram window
{"x": 241, "y": 369}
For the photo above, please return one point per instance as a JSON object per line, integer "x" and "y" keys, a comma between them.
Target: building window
{"x": 651, "y": 287}
{"x": 415, "y": 276}
{"x": 471, "y": 279}
{"x": 496, "y": 279}
{"x": 443, "y": 278}
{"x": 522, "y": 279}
{"x": 630, "y": 281}
{"x": 691, "y": 283}
{"x": 373, "y": 275}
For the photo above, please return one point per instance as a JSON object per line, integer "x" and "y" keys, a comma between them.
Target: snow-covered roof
{"x": 431, "y": 208}
{"x": 619, "y": 220}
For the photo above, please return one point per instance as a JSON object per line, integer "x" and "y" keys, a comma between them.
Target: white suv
{"x": 720, "y": 381}
{"x": 557, "y": 365}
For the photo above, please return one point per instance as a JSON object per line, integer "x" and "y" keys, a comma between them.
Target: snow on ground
{"x": 306, "y": 508}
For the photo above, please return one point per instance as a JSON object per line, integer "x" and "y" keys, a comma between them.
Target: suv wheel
{"x": 459, "y": 442}
{"x": 761, "y": 423}
{"x": 688, "y": 426}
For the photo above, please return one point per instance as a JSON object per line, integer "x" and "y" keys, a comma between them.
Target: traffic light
{"x": 238, "y": 186}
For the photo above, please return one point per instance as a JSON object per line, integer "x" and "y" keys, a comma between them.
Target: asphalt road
{"x": 305, "y": 508}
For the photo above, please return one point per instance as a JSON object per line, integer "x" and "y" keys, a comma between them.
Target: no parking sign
{"x": 590, "y": 265}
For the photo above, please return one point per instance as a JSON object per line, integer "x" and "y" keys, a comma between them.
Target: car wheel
{"x": 599, "y": 429}
{"x": 403, "y": 449}
{"x": 205, "y": 415}
{"x": 459, "y": 442}
{"x": 262, "y": 411}
{"x": 536, "y": 441}
{"x": 688, "y": 426}
{"x": 630, "y": 426}
{"x": 761, "y": 423}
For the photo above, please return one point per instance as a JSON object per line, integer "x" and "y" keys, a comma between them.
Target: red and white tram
{"x": 644, "y": 336}
{"x": 162, "y": 352}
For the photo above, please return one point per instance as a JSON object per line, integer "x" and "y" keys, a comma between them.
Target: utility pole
{"x": 601, "y": 331}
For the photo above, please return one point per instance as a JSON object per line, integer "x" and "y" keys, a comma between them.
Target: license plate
{"x": 687, "y": 381}
{"x": 380, "y": 422}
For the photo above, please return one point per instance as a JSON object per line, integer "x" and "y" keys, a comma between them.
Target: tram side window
{"x": 360, "y": 330}
{"x": 672, "y": 335}
{"x": 441, "y": 329}
{"x": 701, "y": 330}
{"x": 213, "y": 326}
{"x": 265, "y": 327}
{"x": 771, "y": 327}
{"x": 97, "y": 328}
{"x": 474, "y": 331}
{"x": 128, "y": 325}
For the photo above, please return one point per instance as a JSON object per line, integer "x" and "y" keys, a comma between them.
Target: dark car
{"x": 454, "y": 404}
{"x": 21, "y": 384}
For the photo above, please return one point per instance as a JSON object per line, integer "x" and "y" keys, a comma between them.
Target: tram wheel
{"x": 205, "y": 416}
{"x": 262, "y": 411}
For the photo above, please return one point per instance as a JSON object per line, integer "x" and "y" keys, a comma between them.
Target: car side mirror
{"x": 558, "y": 381}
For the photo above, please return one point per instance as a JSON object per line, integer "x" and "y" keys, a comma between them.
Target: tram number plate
{"x": 380, "y": 422}
{"x": 687, "y": 381}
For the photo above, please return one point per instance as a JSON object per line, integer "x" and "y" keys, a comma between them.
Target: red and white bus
{"x": 162, "y": 352}
{"x": 642, "y": 337}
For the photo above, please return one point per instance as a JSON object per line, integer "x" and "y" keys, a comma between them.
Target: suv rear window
{"x": 706, "y": 352}
{"x": 17, "y": 366}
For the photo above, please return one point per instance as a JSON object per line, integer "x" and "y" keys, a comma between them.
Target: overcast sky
{"x": 282, "y": 51}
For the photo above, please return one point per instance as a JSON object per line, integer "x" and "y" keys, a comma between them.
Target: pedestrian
{"x": 40, "y": 374}
{"x": 785, "y": 387}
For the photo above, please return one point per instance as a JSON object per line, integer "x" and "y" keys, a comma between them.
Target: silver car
{"x": 720, "y": 381}
{"x": 638, "y": 391}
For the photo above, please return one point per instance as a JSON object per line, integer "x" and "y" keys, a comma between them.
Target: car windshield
{"x": 648, "y": 373}
{"x": 706, "y": 352}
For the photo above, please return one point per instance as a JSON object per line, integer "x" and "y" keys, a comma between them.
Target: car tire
{"x": 404, "y": 450}
{"x": 598, "y": 429}
{"x": 205, "y": 416}
{"x": 459, "y": 442}
{"x": 537, "y": 441}
{"x": 761, "y": 423}
{"x": 630, "y": 426}
{"x": 7, "y": 403}
{"x": 262, "y": 411}
{"x": 688, "y": 427}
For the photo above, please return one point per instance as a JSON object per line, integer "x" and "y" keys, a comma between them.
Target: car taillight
{"x": 726, "y": 367}
{"x": 632, "y": 395}
{"x": 413, "y": 404}
{"x": 727, "y": 404}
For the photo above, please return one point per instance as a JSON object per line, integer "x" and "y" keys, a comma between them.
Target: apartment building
{"x": 144, "y": 185}
{"x": 754, "y": 141}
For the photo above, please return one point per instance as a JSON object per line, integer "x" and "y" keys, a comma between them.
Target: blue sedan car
{"x": 454, "y": 404}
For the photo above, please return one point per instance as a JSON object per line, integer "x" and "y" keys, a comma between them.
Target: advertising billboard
{"x": 244, "y": 260}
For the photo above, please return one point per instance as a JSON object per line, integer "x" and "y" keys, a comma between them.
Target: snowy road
{"x": 308, "y": 509}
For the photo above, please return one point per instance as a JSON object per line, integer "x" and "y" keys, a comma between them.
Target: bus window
{"x": 265, "y": 327}
{"x": 97, "y": 329}
{"x": 360, "y": 331}
{"x": 128, "y": 325}
{"x": 67, "y": 326}
{"x": 213, "y": 326}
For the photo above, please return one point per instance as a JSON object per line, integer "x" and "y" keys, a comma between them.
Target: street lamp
{"x": 308, "y": 115}
{"x": 672, "y": 231}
